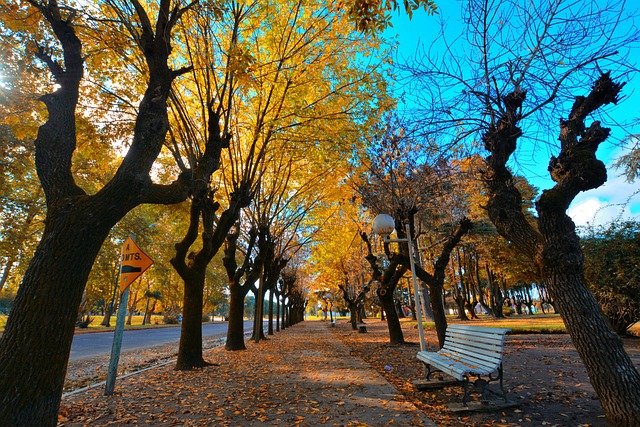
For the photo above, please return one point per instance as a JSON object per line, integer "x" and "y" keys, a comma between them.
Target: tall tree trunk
{"x": 278, "y": 313}
{"x": 611, "y": 371}
{"x": 439, "y": 315}
{"x": 353, "y": 315}
{"x": 150, "y": 311}
{"x": 132, "y": 306}
{"x": 258, "y": 319}
{"x": 235, "y": 331}
{"x": 393, "y": 322}
{"x": 426, "y": 301}
{"x": 106, "y": 321}
{"x": 235, "y": 327}
{"x": 5, "y": 273}
{"x": 458, "y": 296}
{"x": 479, "y": 289}
{"x": 190, "y": 347}
{"x": 285, "y": 315}
{"x": 270, "y": 326}
{"x": 38, "y": 335}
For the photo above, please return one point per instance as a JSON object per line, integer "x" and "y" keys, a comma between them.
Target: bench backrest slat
{"x": 475, "y": 345}
{"x": 473, "y": 364}
{"x": 477, "y": 336}
{"x": 474, "y": 357}
{"x": 477, "y": 329}
{"x": 493, "y": 352}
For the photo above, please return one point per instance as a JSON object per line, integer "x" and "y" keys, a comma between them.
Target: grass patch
{"x": 535, "y": 324}
{"x": 136, "y": 323}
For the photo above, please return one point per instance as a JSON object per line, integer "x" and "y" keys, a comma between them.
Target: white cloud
{"x": 615, "y": 199}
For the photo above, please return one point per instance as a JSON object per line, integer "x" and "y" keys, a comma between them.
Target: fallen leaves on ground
{"x": 320, "y": 379}
{"x": 542, "y": 372}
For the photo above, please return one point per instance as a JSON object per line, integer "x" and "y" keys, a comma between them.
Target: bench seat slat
{"x": 471, "y": 359}
{"x": 456, "y": 369}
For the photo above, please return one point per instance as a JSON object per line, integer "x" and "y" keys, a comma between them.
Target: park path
{"x": 301, "y": 376}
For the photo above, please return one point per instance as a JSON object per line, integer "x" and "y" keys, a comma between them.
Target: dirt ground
{"x": 541, "y": 372}
{"x": 288, "y": 380}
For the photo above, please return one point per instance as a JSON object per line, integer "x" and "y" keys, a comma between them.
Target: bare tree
{"x": 407, "y": 177}
{"x": 506, "y": 90}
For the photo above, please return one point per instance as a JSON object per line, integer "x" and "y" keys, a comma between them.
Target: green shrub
{"x": 612, "y": 270}
{"x": 6, "y": 302}
{"x": 171, "y": 320}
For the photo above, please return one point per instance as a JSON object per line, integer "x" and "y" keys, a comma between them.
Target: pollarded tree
{"x": 200, "y": 133}
{"x": 506, "y": 87}
{"x": 353, "y": 296}
{"x": 33, "y": 352}
{"x": 77, "y": 222}
{"x": 406, "y": 178}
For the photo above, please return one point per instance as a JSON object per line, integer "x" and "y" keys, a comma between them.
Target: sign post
{"x": 133, "y": 262}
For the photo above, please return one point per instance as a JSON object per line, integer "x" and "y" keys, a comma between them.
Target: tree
{"x": 408, "y": 176}
{"x": 72, "y": 211}
{"x": 513, "y": 90}
{"x": 307, "y": 92}
{"x": 354, "y": 301}
{"x": 34, "y": 353}
{"x": 611, "y": 268}
{"x": 199, "y": 135}
{"x": 375, "y": 15}
{"x": 251, "y": 267}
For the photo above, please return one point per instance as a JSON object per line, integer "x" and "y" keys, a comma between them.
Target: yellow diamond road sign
{"x": 133, "y": 262}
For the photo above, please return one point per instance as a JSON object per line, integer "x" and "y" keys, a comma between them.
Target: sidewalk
{"x": 300, "y": 376}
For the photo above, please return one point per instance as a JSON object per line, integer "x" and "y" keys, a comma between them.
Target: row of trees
{"x": 244, "y": 116}
{"x": 241, "y": 110}
{"x": 489, "y": 90}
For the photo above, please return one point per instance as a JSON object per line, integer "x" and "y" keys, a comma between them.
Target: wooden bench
{"x": 469, "y": 351}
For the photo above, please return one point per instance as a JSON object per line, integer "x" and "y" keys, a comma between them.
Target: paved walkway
{"x": 302, "y": 376}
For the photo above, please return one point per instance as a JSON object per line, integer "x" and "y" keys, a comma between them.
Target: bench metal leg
{"x": 428, "y": 371}
{"x": 499, "y": 378}
{"x": 466, "y": 387}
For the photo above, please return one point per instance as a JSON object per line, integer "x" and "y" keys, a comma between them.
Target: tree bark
{"x": 190, "y": 347}
{"x": 235, "y": 331}
{"x": 238, "y": 292}
{"x": 556, "y": 247}
{"x": 33, "y": 359}
{"x": 270, "y": 324}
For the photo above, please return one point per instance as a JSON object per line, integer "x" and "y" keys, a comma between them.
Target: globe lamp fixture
{"x": 383, "y": 225}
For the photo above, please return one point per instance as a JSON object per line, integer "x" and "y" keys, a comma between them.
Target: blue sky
{"x": 596, "y": 206}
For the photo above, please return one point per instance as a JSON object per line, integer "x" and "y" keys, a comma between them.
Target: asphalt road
{"x": 99, "y": 343}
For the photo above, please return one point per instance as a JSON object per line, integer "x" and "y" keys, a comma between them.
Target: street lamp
{"x": 383, "y": 225}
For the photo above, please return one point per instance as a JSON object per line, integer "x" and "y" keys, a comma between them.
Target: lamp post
{"x": 383, "y": 225}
